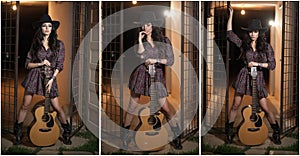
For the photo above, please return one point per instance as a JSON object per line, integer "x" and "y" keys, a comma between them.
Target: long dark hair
{"x": 156, "y": 34}
{"x": 37, "y": 42}
{"x": 261, "y": 45}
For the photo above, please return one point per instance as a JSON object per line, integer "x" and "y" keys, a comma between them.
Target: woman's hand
{"x": 49, "y": 85}
{"x": 141, "y": 36}
{"x": 46, "y": 62}
{"x": 150, "y": 61}
{"x": 252, "y": 64}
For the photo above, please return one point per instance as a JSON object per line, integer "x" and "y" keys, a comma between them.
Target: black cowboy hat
{"x": 149, "y": 17}
{"x": 43, "y": 19}
{"x": 255, "y": 24}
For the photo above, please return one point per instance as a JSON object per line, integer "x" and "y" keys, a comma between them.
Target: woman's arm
{"x": 29, "y": 64}
{"x": 60, "y": 57}
{"x": 35, "y": 65}
{"x": 141, "y": 48}
{"x": 231, "y": 36}
{"x": 271, "y": 64}
{"x": 169, "y": 55}
{"x": 229, "y": 23}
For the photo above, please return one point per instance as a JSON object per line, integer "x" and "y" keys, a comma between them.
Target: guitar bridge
{"x": 253, "y": 129}
{"x": 45, "y": 129}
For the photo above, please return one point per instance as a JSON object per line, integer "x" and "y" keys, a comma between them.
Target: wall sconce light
{"x": 134, "y": 2}
{"x": 14, "y": 7}
{"x": 243, "y": 12}
{"x": 168, "y": 13}
{"x": 272, "y": 23}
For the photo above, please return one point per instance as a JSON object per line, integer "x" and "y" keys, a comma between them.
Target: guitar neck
{"x": 152, "y": 97}
{"x": 254, "y": 97}
{"x": 47, "y": 97}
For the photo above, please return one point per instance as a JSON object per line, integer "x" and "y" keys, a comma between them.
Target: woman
{"x": 255, "y": 52}
{"x": 153, "y": 48}
{"x": 46, "y": 50}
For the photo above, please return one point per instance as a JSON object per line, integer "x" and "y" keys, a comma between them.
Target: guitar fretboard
{"x": 153, "y": 98}
{"x": 47, "y": 94}
{"x": 254, "y": 96}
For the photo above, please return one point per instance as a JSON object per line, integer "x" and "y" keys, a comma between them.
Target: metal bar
{"x": 227, "y": 67}
{"x": 121, "y": 64}
{"x": 282, "y": 63}
{"x": 204, "y": 94}
{"x": 16, "y": 61}
{"x": 182, "y": 67}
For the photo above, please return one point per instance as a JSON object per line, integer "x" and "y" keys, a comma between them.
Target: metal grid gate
{"x": 110, "y": 55}
{"x": 290, "y": 67}
{"x": 86, "y": 16}
{"x": 215, "y": 22}
{"x": 9, "y": 64}
{"x": 189, "y": 91}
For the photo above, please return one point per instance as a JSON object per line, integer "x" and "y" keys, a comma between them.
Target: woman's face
{"x": 46, "y": 28}
{"x": 147, "y": 28}
{"x": 254, "y": 35}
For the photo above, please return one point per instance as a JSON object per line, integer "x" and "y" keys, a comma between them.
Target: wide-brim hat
{"x": 43, "y": 19}
{"x": 149, "y": 17}
{"x": 255, "y": 24}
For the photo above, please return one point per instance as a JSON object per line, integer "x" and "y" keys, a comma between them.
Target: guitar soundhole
{"x": 253, "y": 118}
{"x": 45, "y": 118}
{"x": 151, "y": 120}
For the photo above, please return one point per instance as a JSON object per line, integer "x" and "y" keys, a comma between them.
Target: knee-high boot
{"x": 229, "y": 132}
{"x": 276, "y": 133}
{"x": 67, "y": 133}
{"x": 176, "y": 143}
{"x": 18, "y": 132}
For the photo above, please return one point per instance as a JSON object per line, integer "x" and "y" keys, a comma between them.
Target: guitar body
{"x": 44, "y": 133}
{"x": 150, "y": 137}
{"x": 252, "y": 131}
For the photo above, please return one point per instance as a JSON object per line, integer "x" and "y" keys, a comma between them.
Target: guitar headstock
{"x": 47, "y": 72}
{"x": 151, "y": 70}
{"x": 253, "y": 72}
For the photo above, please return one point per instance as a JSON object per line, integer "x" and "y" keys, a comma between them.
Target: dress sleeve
{"x": 169, "y": 55}
{"x": 143, "y": 55}
{"x": 231, "y": 36}
{"x": 271, "y": 59}
{"x": 28, "y": 59}
{"x": 61, "y": 57}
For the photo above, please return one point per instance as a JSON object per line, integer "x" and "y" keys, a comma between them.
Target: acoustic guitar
{"x": 45, "y": 131}
{"x": 150, "y": 134}
{"x": 253, "y": 130}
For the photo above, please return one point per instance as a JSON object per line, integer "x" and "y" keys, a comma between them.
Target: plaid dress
{"x": 34, "y": 81}
{"x": 243, "y": 84}
{"x": 139, "y": 81}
